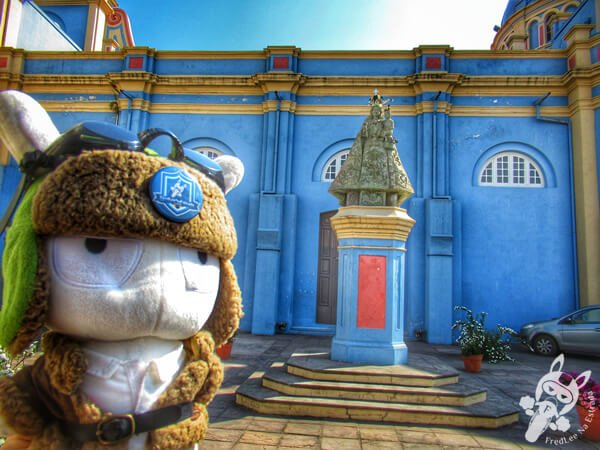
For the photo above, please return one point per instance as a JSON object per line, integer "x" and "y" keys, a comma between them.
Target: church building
{"x": 500, "y": 146}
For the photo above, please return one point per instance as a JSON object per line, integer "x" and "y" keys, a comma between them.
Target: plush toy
{"x": 121, "y": 260}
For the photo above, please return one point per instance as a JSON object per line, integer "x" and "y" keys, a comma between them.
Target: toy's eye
{"x": 202, "y": 257}
{"x": 94, "y": 262}
{"x": 201, "y": 271}
{"x": 94, "y": 245}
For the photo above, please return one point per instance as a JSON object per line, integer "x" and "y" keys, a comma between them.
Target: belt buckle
{"x": 115, "y": 428}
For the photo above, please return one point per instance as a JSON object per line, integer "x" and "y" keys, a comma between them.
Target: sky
{"x": 313, "y": 24}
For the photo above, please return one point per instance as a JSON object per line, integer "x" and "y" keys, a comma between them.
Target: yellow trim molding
{"x": 372, "y": 222}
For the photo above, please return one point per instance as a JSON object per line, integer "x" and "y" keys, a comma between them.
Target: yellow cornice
{"x": 355, "y": 91}
{"x": 507, "y": 111}
{"x": 279, "y": 81}
{"x": 349, "y": 110}
{"x": 193, "y": 54}
{"x": 372, "y": 222}
{"x": 187, "y": 108}
{"x": 281, "y": 50}
{"x": 61, "y": 55}
{"x": 357, "y": 54}
{"x": 67, "y": 106}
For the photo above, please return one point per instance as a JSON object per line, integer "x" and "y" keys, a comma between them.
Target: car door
{"x": 581, "y": 331}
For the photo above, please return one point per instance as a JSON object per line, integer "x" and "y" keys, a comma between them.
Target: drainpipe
{"x": 567, "y": 122}
{"x": 129, "y": 102}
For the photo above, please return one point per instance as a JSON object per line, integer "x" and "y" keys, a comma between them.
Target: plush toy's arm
{"x": 20, "y": 412}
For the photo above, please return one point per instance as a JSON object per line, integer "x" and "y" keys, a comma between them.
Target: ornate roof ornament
{"x": 373, "y": 174}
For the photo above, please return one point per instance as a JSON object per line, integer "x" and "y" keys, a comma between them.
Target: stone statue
{"x": 373, "y": 174}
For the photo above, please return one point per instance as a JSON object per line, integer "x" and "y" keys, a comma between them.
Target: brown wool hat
{"x": 105, "y": 193}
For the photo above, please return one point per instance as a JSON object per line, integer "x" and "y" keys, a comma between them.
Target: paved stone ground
{"x": 234, "y": 427}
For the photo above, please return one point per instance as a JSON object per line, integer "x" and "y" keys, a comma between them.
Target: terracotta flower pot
{"x": 590, "y": 423}
{"x": 224, "y": 351}
{"x": 472, "y": 363}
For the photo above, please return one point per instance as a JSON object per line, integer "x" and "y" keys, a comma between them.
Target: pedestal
{"x": 370, "y": 308}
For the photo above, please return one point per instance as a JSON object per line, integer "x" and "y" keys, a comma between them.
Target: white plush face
{"x": 117, "y": 289}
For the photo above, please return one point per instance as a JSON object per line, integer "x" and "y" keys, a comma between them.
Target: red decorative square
{"x": 371, "y": 291}
{"x": 433, "y": 63}
{"x": 281, "y": 62}
{"x": 3, "y": 62}
{"x": 136, "y": 62}
{"x": 571, "y": 62}
{"x": 597, "y": 53}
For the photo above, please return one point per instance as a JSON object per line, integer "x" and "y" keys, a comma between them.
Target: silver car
{"x": 577, "y": 332}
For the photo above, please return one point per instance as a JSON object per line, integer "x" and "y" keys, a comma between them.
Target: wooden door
{"x": 327, "y": 278}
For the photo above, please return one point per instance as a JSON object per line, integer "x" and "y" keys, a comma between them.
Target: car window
{"x": 592, "y": 315}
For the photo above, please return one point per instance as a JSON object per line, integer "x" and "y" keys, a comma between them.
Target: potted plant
{"x": 471, "y": 338}
{"x": 588, "y": 406}
{"x": 224, "y": 350}
{"x": 477, "y": 344}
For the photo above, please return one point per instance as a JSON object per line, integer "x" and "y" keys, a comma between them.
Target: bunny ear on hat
{"x": 24, "y": 127}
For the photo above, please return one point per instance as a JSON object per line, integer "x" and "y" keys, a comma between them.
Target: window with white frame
{"x": 212, "y": 153}
{"x": 333, "y": 165}
{"x": 511, "y": 169}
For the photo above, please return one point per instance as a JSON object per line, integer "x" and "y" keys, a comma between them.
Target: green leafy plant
{"x": 474, "y": 339}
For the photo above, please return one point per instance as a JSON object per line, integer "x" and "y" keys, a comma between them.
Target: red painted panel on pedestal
{"x": 371, "y": 291}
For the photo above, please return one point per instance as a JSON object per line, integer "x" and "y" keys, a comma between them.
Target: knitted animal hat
{"x": 106, "y": 191}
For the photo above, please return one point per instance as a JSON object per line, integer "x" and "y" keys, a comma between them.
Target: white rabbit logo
{"x": 553, "y": 399}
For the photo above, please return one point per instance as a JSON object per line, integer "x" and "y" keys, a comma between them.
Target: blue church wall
{"x": 75, "y": 66}
{"x": 517, "y": 252}
{"x": 209, "y": 66}
{"x": 73, "y": 18}
{"x": 403, "y": 65}
{"x": 514, "y": 65}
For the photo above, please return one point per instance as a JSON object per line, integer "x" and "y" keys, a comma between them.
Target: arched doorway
{"x": 327, "y": 277}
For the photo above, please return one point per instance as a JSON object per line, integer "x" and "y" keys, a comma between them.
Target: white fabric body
{"x": 131, "y": 288}
{"x": 129, "y": 377}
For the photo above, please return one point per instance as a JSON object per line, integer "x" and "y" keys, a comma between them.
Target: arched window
{"x": 333, "y": 165}
{"x": 212, "y": 153}
{"x": 549, "y": 23}
{"x": 511, "y": 169}
{"x": 534, "y": 37}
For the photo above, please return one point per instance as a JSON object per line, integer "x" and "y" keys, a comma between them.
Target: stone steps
{"x": 254, "y": 396}
{"x": 424, "y": 392}
{"x": 279, "y": 380}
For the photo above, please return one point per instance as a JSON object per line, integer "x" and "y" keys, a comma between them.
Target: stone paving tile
{"x": 422, "y": 437}
{"x": 368, "y": 433}
{"x": 271, "y": 425}
{"x": 260, "y": 438}
{"x": 344, "y": 431}
{"x": 254, "y": 447}
{"x": 223, "y": 435}
{"x": 456, "y": 440}
{"x": 376, "y": 445}
{"x": 216, "y": 445}
{"x": 306, "y": 428}
{"x": 330, "y": 443}
{"x": 299, "y": 441}
{"x": 236, "y": 424}
{"x": 496, "y": 443}
{"x": 410, "y": 446}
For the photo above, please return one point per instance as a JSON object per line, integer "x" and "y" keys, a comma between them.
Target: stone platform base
{"x": 424, "y": 392}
